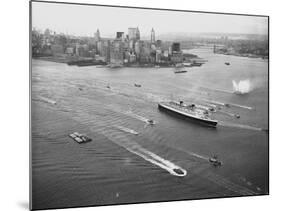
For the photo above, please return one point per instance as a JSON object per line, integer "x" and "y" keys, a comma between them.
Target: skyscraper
{"x": 120, "y": 35}
{"x": 152, "y": 38}
{"x": 134, "y": 33}
{"x": 97, "y": 35}
{"x": 138, "y": 34}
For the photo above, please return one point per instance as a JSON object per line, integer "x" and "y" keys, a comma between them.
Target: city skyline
{"x": 81, "y": 20}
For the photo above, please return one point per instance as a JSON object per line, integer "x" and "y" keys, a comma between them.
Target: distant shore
{"x": 85, "y": 61}
{"x": 243, "y": 55}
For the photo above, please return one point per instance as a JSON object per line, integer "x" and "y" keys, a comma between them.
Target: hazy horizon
{"x": 84, "y": 20}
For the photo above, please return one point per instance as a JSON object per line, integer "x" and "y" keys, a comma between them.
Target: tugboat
{"x": 179, "y": 68}
{"x": 137, "y": 85}
{"x": 190, "y": 112}
{"x": 150, "y": 122}
{"x": 214, "y": 161}
{"x": 196, "y": 64}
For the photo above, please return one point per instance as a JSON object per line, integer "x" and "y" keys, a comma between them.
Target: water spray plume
{"x": 241, "y": 87}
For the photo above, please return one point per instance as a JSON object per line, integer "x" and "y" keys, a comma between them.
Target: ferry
{"x": 191, "y": 112}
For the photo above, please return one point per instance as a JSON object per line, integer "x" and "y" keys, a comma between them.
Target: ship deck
{"x": 193, "y": 113}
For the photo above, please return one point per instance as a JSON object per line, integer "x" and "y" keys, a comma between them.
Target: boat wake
{"x": 248, "y": 127}
{"x": 136, "y": 116}
{"x": 198, "y": 156}
{"x": 125, "y": 129}
{"x": 108, "y": 129}
{"x": 241, "y": 106}
{"x": 45, "y": 99}
{"x": 228, "y": 104}
{"x": 147, "y": 155}
{"x": 217, "y": 90}
{"x": 228, "y": 113}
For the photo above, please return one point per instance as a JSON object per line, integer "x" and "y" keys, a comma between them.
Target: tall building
{"x": 120, "y": 35}
{"x": 134, "y": 33}
{"x": 143, "y": 51}
{"x": 103, "y": 49}
{"x": 176, "y": 53}
{"x": 117, "y": 52}
{"x": 175, "y": 47}
{"x": 97, "y": 35}
{"x": 138, "y": 34}
{"x": 159, "y": 44}
{"x": 152, "y": 37}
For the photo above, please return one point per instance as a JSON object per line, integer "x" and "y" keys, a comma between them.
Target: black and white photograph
{"x": 135, "y": 105}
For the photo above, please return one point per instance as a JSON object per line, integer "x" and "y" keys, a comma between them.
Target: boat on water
{"x": 137, "y": 85}
{"x": 188, "y": 111}
{"x": 150, "y": 122}
{"x": 180, "y": 71}
{"x": 237, "y": 92}
{"x": 179, "y": 65}
{"x": 227, "y": 63}
{"x": 187, "y": 64}
{"x": 197, "y": 63}
{"x": 215, "y": 161}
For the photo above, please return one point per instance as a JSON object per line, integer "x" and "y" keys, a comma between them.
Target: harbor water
{"x": 130, "y": 161}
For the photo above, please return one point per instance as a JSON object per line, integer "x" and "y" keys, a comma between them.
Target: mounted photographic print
{"x": 135, "y": 105}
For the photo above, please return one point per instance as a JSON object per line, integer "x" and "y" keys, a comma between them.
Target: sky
{"x": 84, "y": 20}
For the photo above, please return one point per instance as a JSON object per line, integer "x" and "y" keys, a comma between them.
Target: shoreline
{"x": 250, "y": 56}
{"x": 135, "y": 65}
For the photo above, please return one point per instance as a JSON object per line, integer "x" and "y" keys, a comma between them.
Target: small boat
{"x": 179, "y": 172}
{"x": 214, "y": 161}
{"x": 108, "y": 86}
{"x": 137, "y": 85}
{"x": 237, "y": 92}
{"x": 180, "y": 71}
{"x": 187, "y": 64}
{"x": 179, "y": 65}
{"x": 196, "y": 64}
{"x": 150, "y": 122}
{"x": 227, "y": 63}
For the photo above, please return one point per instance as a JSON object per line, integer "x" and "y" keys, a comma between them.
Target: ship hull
{"x": 185, "y": 116}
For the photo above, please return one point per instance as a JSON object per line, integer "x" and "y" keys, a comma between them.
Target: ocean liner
{"x": 188, "y": 111}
